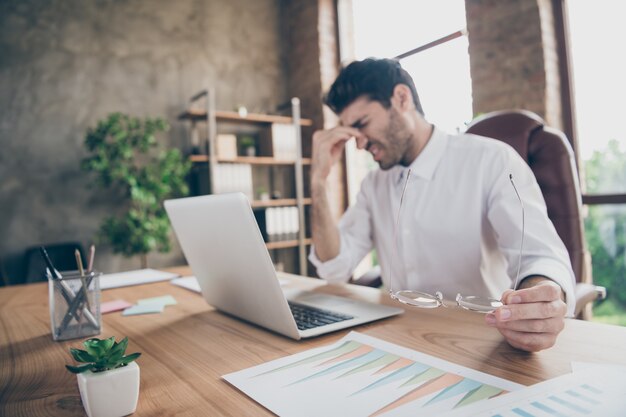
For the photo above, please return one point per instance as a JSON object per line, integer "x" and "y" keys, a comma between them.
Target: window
{"x": 429, "y": 39}
{"x": 409, "y": 28}
{"x": 598, "y": 68}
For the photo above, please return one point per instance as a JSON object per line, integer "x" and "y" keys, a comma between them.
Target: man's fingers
{"x": 543, "y": 310}
{"x": 547, "y": 291}
{"x": 551, "y": 325}
{"x": 336, "y": 134}
{"x": 530, "y": 342}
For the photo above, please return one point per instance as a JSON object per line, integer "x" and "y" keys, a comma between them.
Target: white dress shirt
{"x": 460, "y": 227}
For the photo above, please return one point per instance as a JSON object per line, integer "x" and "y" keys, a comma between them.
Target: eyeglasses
{"x": 473, "y": 303}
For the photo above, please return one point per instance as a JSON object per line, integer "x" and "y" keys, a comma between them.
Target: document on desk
{"x": 592, "y": 391}
{"x": 191, "y": 283}
{"x": 364, "y": 376}
{"x": 138, "y": 277}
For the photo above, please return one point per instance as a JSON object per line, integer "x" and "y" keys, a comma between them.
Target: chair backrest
{"x": 61, "y": 255}
{"x": 551, "y": 158}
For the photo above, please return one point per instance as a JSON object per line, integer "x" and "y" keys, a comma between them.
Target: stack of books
{"x": 230, "y": 178}
{"x": 281, "y": 223}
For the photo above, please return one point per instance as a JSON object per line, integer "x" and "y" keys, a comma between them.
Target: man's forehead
{"x": 356, "y": 110}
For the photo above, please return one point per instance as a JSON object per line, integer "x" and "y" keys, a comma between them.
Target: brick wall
{"x": 513, "y": 57}
{"x": 312, "y": 65}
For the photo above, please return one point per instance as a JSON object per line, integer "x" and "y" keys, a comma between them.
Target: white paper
{"x": 191, "y": 283}
{"x": 590, "y": 391}
{"x": 138, "y": 277}
{"x": 581, "y": 366}
{"x": 364, "y": 376}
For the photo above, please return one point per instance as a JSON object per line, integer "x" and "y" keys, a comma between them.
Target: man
{"x": 461, "y": 224}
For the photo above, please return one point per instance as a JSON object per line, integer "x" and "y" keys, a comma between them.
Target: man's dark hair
{"x": 372, "y": 78}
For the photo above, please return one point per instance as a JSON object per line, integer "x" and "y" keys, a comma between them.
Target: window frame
{"x": 562, "y": 30}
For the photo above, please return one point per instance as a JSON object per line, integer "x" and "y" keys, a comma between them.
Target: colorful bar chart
{"x": 364, "y": 376}
{"x": 595, "y": 391}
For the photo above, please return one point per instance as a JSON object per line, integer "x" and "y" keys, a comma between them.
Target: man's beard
{"x": 398, "y": 139}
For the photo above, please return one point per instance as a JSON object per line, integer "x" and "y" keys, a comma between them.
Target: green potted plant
{"x": 125, "y": 155}
{"x": 109, "y": 380}
{"x": 248, "y": 145}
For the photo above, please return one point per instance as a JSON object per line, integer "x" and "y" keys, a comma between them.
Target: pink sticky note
{"x": 112, "y": 306}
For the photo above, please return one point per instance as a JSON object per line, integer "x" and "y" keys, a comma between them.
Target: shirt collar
{"x": 428, "y": 159}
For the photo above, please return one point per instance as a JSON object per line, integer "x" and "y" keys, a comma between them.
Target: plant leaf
{"x": 94, "y": 348}
{"x": 81, "y": 356}
{"x": 107, "y": 343}
{"x": 128, "y": 359}
{"x": 79, "y": 369}
{"x": 120, "y": 346}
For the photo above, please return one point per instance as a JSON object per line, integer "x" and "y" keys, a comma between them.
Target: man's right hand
{"x": 328, "y": 147}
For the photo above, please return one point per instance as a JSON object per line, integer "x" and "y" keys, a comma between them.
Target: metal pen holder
{"x": 74, "y": 304}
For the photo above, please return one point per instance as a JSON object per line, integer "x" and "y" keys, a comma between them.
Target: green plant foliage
{"x": 605, "y": 225}
{"x": 101, "y": 355}
{"x": 126, "y": 156}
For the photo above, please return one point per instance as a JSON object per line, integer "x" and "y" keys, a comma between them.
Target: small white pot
{"x": 111, "y": 393}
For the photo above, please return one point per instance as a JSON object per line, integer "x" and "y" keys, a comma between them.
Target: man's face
{"x": 386, "y": 135}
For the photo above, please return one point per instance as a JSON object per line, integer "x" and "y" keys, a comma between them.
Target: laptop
{"x": 226, "y": 252}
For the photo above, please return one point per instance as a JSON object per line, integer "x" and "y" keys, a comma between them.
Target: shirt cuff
{"x": 559, "y": 274}
{"x": 333, "y": 270}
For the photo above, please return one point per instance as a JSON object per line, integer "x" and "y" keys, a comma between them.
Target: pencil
{"x": 92, "y": 253}
{"x": 79, "y": 262}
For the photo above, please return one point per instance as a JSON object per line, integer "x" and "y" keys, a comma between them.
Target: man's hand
{"x": 532, "y": 316}
{"x": 328, "y": 148}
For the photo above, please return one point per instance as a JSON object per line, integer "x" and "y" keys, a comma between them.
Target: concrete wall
{"x": 66, "y": 64}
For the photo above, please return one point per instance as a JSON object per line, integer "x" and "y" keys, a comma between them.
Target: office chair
{"x": 61, "y": 255}
{"x": 551, "y": 158}
{"x": 4, "y": 279}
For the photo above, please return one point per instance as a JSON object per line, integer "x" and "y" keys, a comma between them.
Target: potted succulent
{"x": 109, "y": 380}
{"x": 248, "y": 145}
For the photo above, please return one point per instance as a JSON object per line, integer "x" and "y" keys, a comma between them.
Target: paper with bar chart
{"x": 597, "y": 390}
{"x": 364, "y": 376}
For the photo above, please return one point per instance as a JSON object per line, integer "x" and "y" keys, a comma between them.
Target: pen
{"x": 79, "y": 263}
{"x": 92, "y": 253}
{"x": 53, "y": 271}
{"x": 66, "y": 292}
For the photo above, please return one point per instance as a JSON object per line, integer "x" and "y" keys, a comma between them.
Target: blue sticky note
{"x": 166, "y": 300}
{"x": 143, "y": 309}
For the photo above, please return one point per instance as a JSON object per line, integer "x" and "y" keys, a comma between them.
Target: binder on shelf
{"x": 280, "y": 223}
{"x": 280, "y": 142}
{"x": 230, "y": 178}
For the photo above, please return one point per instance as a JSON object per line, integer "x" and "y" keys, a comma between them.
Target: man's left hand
{"x": 532, "y": 317}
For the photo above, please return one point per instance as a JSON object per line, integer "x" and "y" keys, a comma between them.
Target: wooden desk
{"x": 190, "y": 345}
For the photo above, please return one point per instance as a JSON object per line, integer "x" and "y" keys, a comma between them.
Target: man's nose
{"x": 361, "y": 142}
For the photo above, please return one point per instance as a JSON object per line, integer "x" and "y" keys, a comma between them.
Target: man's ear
{"x": 402, "y": 98}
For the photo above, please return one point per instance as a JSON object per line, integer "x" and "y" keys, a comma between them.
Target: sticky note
{"x": 166, "y": 300}
{"x": 143, "y": 309}
{"x": 112, "y": 306}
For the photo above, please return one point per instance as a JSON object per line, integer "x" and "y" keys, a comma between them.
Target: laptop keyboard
{"x": 308, "y": 317}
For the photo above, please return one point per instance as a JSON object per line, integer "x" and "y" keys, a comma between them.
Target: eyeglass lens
{"x": 420, "y": 299}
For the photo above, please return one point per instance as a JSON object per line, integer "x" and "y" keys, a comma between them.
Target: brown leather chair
{"x": 551, "y": 158}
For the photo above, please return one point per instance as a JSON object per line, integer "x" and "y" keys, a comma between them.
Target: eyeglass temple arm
{"x": 521, "y": 248}
{"x": 395, "y": 231}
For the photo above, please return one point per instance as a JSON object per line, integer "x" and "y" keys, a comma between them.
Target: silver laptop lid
{"x": 226, "y": 252}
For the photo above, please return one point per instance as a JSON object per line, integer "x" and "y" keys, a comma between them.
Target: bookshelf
{"x": 273, "y": 178}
